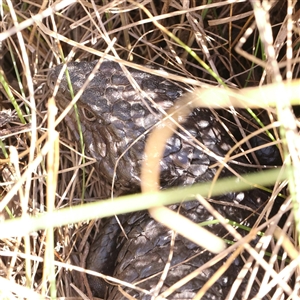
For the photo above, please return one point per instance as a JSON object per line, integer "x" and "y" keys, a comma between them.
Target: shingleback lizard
{"x": 115, "y": 120}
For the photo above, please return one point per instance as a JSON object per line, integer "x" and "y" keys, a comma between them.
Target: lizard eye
{"x": 88, "y": 114}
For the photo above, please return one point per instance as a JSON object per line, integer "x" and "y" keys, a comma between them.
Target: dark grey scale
{"x": 146, "y": 251}
{"x": 115, "y": 115}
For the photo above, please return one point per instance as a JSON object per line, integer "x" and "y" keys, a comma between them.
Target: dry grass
{"x": 37, "y": 36}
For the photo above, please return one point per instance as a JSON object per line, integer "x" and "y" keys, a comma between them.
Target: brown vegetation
{"x": 236, "y": 43}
